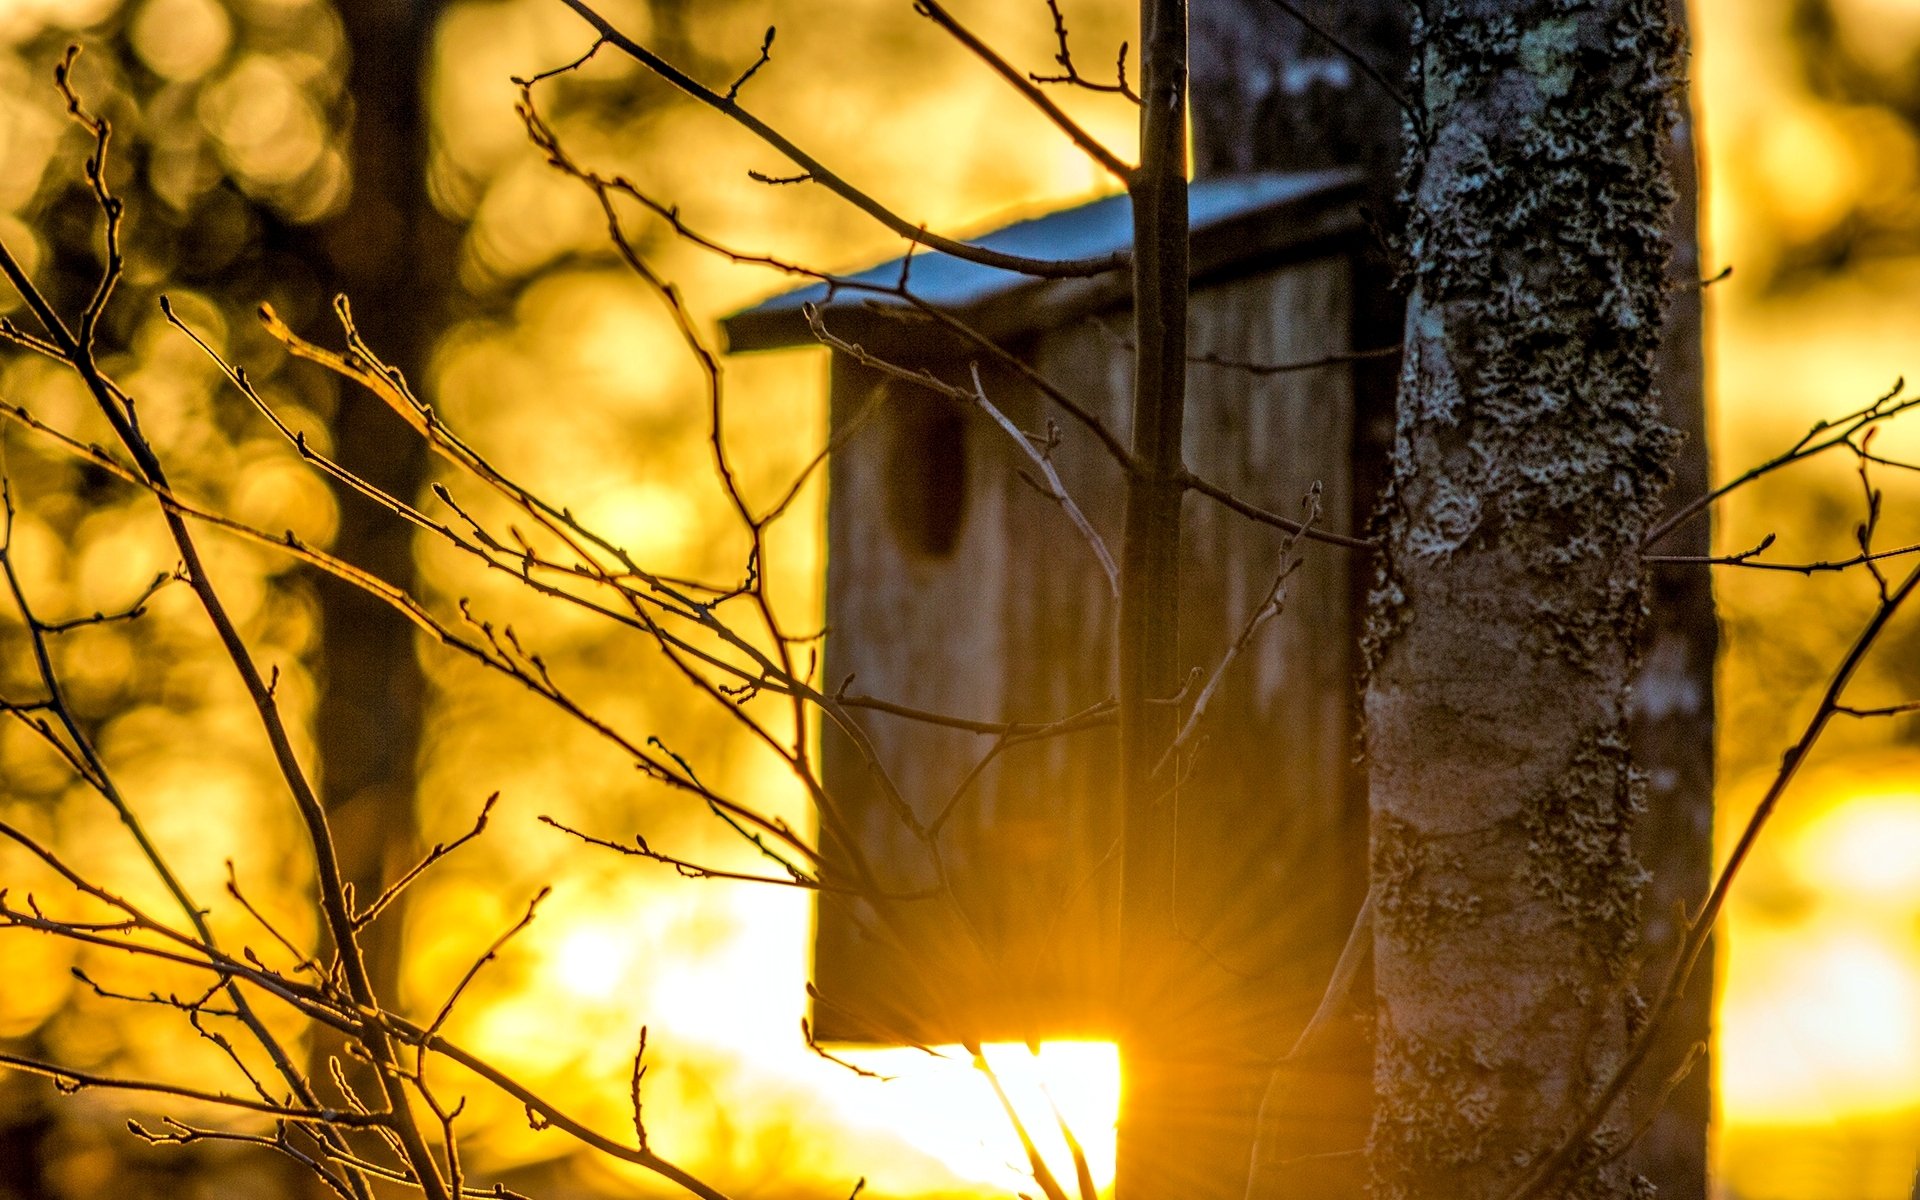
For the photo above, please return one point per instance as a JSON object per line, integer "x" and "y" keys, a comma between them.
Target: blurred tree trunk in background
{"x": 1673, "y": 720}
{"x": 1272, "y": 94}
{"x": 395, "y": 259}
{"x": 27, "y": 1125}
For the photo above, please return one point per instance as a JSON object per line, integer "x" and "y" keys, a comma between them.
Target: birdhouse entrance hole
{"x": 926, "y": 472}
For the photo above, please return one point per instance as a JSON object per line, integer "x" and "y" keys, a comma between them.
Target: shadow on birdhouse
{"x": 972, "y": 862}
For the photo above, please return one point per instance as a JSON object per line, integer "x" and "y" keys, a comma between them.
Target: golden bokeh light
{"x": 181, "y": 39}
{"x": 1866, "y": 847}
{"x": 1820, "y": 1005}
{"x": 268, "y": 130}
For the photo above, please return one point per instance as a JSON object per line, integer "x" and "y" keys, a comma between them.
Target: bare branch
{"x": 934, "y": 11}
{"x": 819, "y": 173}
{"x": 69, "y": 1081}
{"x": 1071, "y": 73}
{"x": 766, "y": 56}
{"x": 1215, "y": 492}
{"x": 1269, "y": 608}
{"x": 813, "y": 1044}
{"x": 1042, "y": 1173}
{"x": 1885, "y": 408}
{"x": 440, "y": 850}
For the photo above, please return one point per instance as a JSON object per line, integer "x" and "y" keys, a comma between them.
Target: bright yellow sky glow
{"x": 1820, "y": 1002}
{"x": 1866, "y": 847}
{"x": 590, "y": 962}
{"x": 1822, "y": 1018}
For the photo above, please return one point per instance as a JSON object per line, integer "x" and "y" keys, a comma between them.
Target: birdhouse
{"x": 972, "y": 863}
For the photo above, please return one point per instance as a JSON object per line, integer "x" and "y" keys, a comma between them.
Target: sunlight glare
{"x": 943, "y": 1106}
{"x": 591, "y": 961}
{"x": 1818, "y": 1023}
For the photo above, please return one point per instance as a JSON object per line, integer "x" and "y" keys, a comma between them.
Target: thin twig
{"x": 766, "y": 56}
{"x": 1271, "y": 606}
{"x": 1064, "y": 56}
{"x": 440, "y": 850}
{"x": 1042, "y": 1173}
{"x": 1055, "y": 490}
{"x": 1029, "y": 90}
{"x": 1885, "y": 408}
{"x": 820, "y": 173}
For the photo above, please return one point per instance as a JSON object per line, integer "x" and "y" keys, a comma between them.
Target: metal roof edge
{"x": 1240, "y": 224}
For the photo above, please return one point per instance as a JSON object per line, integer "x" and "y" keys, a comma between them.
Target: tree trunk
{"x": 392, "y": 255}
{"x": 1529, "y": 458}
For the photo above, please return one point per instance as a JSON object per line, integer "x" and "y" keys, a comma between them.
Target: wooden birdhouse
{"x": 955, "y": 586}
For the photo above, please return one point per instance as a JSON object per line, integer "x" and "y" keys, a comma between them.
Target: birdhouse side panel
{"x": 955, "y": 586}
{"x": 1272, "y": 823}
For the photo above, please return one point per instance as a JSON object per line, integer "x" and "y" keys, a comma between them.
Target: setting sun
{"x": 940, "y": 1104}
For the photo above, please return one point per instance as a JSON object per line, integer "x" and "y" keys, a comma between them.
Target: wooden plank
{"x": 946, "y": 624}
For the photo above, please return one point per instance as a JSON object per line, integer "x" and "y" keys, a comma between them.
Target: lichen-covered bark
{"x": 1528, "y": 460}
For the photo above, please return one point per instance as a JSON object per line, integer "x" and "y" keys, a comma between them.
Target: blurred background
{"x": 274, "y": 150}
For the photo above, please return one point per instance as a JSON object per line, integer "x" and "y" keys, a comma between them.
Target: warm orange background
{"x": 577, "y": 384}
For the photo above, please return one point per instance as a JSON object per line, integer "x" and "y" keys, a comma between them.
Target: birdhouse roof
{"x": 1238, "y": 224}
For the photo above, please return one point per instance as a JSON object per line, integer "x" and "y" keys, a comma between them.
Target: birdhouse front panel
{"x": 974, "y": 871}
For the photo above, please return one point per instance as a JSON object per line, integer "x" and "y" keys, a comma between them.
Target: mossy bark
{"x": 1529, "y": 457}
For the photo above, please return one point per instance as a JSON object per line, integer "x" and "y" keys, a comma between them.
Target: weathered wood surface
{"x": 1012, "y": 620}
{"x": 1268, "y": 93}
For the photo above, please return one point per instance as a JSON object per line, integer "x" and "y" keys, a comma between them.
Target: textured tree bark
{"x": 1529, "y": 457}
